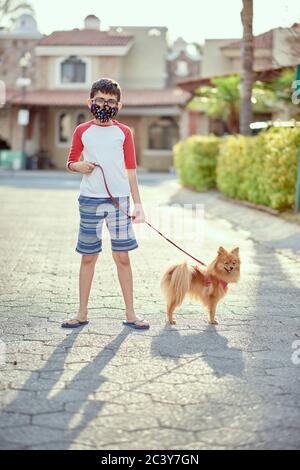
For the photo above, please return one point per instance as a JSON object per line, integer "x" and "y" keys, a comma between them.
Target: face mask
{"x": 104, "y": 114}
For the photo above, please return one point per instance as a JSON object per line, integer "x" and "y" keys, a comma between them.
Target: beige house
{"x": 61, "y": 68}
{"x": 182, "y": 63}
{"x": 274, "y": 51}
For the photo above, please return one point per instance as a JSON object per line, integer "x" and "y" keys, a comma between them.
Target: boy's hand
{"x": 83, "y": 167}
{"x": 138, "y": 215}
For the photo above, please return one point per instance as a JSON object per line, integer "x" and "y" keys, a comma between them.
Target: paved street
{"x": 189, "y": 386}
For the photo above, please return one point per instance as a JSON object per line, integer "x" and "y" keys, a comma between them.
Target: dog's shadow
{"x": 211, "y": 348}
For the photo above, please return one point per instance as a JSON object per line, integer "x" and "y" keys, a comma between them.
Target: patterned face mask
{"x": 103, "y": 113}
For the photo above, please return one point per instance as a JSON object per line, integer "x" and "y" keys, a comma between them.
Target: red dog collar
{"x": 209, "y": 281}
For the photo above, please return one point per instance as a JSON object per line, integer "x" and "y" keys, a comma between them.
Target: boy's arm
{"x": 138, "y": 212}
{"x": 75, "y": 151}
{"x": 73, "y": 163}
{"x": 131, "y": 165}
{"x": 134, "y": 187}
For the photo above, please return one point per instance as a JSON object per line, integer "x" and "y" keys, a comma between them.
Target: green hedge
{"x": 195, "y": 160}
{"x": 261, "y": 169}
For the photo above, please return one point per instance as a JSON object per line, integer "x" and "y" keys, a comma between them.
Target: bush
{"x": 280, "y": 166}
{"x": 232, "y": 169}
{"x": 260, "y": 169}
{"x": 195, "y": 160}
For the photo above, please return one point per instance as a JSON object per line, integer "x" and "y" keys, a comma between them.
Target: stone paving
{"x": 189, "y": 386}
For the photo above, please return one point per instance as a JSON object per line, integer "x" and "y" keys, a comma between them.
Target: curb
{"x": 251, "y": 205}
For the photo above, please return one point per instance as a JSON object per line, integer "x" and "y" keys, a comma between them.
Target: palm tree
{"x": 9, "y": 9}
{"x": 280, "y": 90}
{"x": 246, "y": 114}
{"x": 220, "y": 100}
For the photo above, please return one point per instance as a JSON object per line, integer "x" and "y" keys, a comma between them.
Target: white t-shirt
{"x": 110, "y": 145}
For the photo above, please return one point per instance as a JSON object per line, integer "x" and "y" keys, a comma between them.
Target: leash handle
{"x": 115, "y": 202}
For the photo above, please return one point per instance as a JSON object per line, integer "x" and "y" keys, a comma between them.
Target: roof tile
{"x": 84, "y": 37}
{"x": 130, "y": 98}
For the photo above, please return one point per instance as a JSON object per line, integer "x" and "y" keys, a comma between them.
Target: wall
{"x": 145, "y": 64}
{"x": 214, "y": 62}
{"x": 283, "y": 52}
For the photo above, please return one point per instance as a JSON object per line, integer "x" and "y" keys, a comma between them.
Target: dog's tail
{"x": 176, "y": 282}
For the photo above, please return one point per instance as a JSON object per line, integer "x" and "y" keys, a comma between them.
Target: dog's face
{"x": 227, "y": 264}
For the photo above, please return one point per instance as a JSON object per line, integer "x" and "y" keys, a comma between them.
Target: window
{"x": 73, "y": 70}
{"x": 182, "y": 69}
{"x": 80, "y": 118}
{"x": 64, "y": 131}
{"x": 163, "y": 134}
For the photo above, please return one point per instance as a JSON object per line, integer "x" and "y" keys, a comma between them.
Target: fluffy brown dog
{"x": 206, "y": 285}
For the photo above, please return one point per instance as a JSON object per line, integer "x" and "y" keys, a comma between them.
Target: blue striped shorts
{"x": 93, "y": 211}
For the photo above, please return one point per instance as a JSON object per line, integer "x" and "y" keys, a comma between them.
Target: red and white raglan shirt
{"x": 112, "y": 146}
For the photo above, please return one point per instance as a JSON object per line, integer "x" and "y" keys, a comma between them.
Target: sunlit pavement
{"x": 189, "y": 386}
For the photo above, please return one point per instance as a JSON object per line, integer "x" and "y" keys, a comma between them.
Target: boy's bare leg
{"x": 86, "y": 274}
{"x": 122, "y": 261}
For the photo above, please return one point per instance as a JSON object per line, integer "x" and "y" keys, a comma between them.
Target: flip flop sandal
{"x": 134, "y": 325}
{"x": 74, "y": 325}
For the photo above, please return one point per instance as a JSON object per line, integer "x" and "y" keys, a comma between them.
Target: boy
{"x": 105, "y": 141}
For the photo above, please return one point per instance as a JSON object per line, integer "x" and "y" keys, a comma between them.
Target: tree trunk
{"x": 233, "y": 121}
{"x": 246, "y": 114}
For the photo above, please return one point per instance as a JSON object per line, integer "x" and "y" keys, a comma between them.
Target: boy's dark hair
{"x": 106, "y": 85}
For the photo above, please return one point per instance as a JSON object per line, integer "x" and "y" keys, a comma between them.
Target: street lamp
{"x": 24, "y": 82}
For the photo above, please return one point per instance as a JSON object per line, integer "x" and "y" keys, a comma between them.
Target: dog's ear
{"x": 235, "y": 251}
{"x": 221, "y": 251}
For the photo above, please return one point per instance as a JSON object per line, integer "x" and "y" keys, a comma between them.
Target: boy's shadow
{"x": 85, "y": 382}
{"x": 211, "y": 347}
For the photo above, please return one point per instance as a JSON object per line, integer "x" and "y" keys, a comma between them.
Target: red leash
{"x": 132, "y": 217}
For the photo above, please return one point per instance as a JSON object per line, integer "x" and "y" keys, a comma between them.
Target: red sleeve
{"x": 76, "y": 147}
{"x": 129, "y": 150}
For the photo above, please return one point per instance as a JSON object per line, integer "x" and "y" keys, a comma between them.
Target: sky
{"x": 194, "y": 20}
